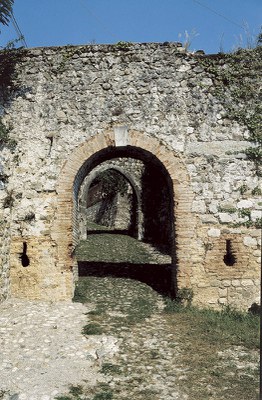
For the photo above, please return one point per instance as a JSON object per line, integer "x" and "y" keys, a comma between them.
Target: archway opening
{"x": 124, "y": 217}
{"x": 108, "y": 201}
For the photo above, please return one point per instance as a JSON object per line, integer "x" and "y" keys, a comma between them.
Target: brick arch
{"x": 62, "y": 232}
{"x": 136, "y": 190}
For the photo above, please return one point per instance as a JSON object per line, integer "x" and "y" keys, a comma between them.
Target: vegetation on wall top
{"x": 236, "y": 77}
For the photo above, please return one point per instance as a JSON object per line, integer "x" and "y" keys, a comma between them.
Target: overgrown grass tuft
{"x": 217, "y": 348}
{"x": 103, "y": 396}
{"x": 76, "y": 391}
{"x": 92, "y": 329}
{"x": 105, "y": 392}
{"x": 228, "y": 325}
{"x": 110, "y": 369}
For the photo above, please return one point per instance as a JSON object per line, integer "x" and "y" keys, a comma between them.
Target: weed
{"x": 172, "y": 306}
{"x": 245, "y": 212}
{"x": 184, "y": 298}
{"x": 154, "y": 354}
{"x": 76, "y": 391}
{"x": 249, "y": 40}
{"x": 9, "y": 58}
{"x": 148, "y": 394}
{"x": 9, "y": 200}
{"x": 111, "y": 182}
{"x": 123, "y": 45}
{"x": 110, "y": 369}
{"x": 67, "y": 55}
{"x": 3, "y": 133}
{"x": 229, "y": 210}
{"x": 243, "y": 188}
{"x": 185, "y": 295}
{"x": 256, "y": 191}
{"x": 187, "y": 38}
{"x": 229, "y": 325}
{"x": 103, "y": 396}
{"x": 2, "y": 393}
{"x": 29, "y": 217}
{"x": 97, "y": 312}
{"x": 105, "y": 393}
{"x": 205, "y": 333}
{"x": 141, "y": 308}
{"x": 247, "y": 224}
{"x": 92, "y": 329}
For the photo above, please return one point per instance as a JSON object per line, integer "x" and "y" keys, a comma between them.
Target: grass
{"x": 92, "y": 226}
{"x": 103, "y": 392}
{"x": 219, "y": 349}
{"x": 204, "y": 354}
{"x": 110, "y": 369}
{"x": 115, "y": 248}
{"x": 228, "y": 326}
{"x": 75, "y": 393}
{"x": 103, "y": 396}
{"x": 92, "y": 329}
{"x": 119, "y": 303}
{"x": 63, "y": 397}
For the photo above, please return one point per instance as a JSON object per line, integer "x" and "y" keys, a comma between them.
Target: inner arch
{"x": 153, "y": 192}
{"x": 109, "y": 197}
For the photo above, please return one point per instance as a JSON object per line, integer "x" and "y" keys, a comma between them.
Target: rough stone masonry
{"x": 69, "y": 109}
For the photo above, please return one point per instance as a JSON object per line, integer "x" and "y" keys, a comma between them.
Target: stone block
{"x": 214, "y": 232}
{"x": 225, "y": 218}
{"x": 208, "y": 219}
{"x": 247, "y": 282}
{"x": 249, "y": 241}
{"x": 236, "y": 282}
{"x": 255, "y": 215}
{"x": 199, "y": 206}
{"x": 245, "y": 204}
{"x": 222, "y": 292}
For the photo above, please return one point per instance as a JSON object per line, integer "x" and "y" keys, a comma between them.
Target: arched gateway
{"x": 204, "y": 201}
{"x": 92, "y": 152}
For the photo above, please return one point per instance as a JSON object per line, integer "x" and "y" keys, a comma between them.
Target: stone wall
{"x": 69, "y": 107}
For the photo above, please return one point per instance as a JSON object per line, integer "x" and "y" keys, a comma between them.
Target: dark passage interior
{"x": 124, "y": 201}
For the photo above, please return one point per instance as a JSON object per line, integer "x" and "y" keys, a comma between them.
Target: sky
{"x": 210, "y": 25}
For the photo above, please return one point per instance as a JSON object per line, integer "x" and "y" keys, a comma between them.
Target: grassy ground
{"x": 220, "y": 350}
{"x": 168, "y": 352}
{"x": 112, "y": 248}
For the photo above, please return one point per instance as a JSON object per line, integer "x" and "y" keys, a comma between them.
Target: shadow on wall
{"x": 159, "y": 277}
{"x": 157, "y": 207}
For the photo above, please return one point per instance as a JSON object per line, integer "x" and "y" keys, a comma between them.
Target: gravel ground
{"x": 136, "y": 354}
{"x": 43, "y": 349}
